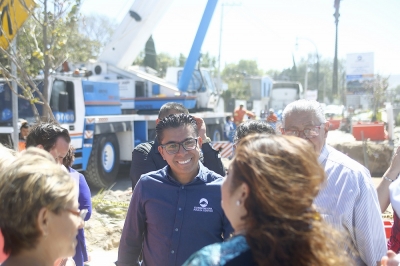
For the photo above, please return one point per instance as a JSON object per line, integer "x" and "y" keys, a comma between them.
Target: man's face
{"x": 24, "y": 132}
{"x": 306, "y": 120}
{"x": 59, "y": 150}
{"x": 184, "y": 163}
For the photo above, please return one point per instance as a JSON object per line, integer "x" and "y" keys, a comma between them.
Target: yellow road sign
{"x": 13, "y": 15}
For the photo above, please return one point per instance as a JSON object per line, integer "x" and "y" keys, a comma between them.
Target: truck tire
{"x": 216, "y": 133}
{"x": 104, "y": 161}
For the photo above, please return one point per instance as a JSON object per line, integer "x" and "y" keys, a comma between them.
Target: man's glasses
{"x": 309, "y": 132}
{"x": 173, "y": 148}
{"x": 79, "y": 213}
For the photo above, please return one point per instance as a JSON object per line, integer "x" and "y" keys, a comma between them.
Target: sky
{"x": 267, "y": 30}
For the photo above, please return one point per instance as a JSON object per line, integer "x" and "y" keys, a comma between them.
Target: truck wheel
{"x": 104, "y": 162}
{"x": 216, "y": 133}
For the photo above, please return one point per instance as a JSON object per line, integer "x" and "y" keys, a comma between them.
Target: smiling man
{"x": 348, "y": 200}
{"x": 176, "y": 210}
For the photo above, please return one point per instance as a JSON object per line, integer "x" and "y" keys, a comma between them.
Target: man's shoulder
{"x": 144, "y": 147}
{"x": 211, "y": 177}
{"x": 338, "y": 158}
{"x": 154, "y": 175}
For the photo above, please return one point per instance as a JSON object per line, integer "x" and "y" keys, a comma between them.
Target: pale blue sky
{"x": 266, "y": 30}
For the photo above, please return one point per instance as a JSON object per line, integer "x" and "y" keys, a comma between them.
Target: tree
{"x": 43, "y": 46}
{"x": 181, "y": 60}
{"x": 98, "y": 28}
{"x": 377, "y": 89}
{"x": 234, "y": 74}
{"x": 46, "y": 40}
{"x": 164, "y": 61}
{"x": 150, "y": 55}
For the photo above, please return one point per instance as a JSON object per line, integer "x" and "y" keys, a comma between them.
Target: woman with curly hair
{"x": 268, "y": 198}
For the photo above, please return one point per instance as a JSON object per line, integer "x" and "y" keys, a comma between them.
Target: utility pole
{"x": 220, "y": 42}
{"x": 316, "y": 53}
{"x": 335, "y": 61}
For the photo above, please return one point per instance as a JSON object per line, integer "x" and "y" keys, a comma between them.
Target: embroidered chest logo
{"x": 203, "y": 206}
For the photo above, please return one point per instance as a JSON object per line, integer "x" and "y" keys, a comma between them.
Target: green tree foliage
{"x": 324, "y": 84}
{"x": 181, "y": 60}
{"x": 52, "y": 34}
{"x": 150, "y": 55}
{"x": 164, "y": 61}
{"x": 377, "y": 88}
{"x": 98, "y": 28}
{"x": 234, "y": 74}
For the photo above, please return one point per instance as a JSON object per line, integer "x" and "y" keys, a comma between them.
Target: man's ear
{"x": 200, "y": 141}
{"x": 157, "y": 121}
{"x": 326, "y": 128}
{"x": 161, "y": 151}
{"x": 40, "y": 146}
{"x": 43, "y": 221}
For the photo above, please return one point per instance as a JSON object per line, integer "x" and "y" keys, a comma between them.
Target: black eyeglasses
{"x": 173, "y": 148}
{"x": 309, "y": 132}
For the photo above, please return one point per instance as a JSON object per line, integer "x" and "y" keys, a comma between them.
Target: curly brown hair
{"x": 282, "y": 227}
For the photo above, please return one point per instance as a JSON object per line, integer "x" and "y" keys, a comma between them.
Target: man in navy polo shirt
{"x": 176, "y": 210}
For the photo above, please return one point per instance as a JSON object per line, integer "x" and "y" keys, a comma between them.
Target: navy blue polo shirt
{"x": 171, "y": 221}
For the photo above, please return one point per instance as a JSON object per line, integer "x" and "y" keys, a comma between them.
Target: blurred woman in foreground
{"x": 267, "y": 196}
{"x": 7, "y": 156}
{"x": 39, "y": 214}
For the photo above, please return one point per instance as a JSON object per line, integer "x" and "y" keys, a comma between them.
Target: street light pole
{"x": 220, "y": 42}
{"x": 316, "y": 53}
{"x": 335, "y": 61}
{"x": 219, "y": 49}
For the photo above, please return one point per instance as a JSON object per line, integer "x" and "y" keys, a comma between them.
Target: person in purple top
{"x": 85, "y": 203}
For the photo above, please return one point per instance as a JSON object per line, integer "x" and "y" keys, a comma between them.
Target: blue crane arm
{"x": 196, "y": 46}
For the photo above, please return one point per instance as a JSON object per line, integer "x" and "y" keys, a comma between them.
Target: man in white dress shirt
{"x": 348, "y": 200}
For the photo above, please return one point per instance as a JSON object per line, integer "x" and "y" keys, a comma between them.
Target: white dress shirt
{"x": 349, "y": 202}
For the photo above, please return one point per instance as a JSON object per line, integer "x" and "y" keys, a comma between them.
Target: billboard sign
{"x": 359, "y": 69}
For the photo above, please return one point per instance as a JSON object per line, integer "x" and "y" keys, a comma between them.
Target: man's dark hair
{"x": 252, "y": 126}
{"x": 175, "y": 121}
{"x": 167, "y": 108}
{"x": 228, "y": 118}
{"x": 24, "y": 125}
{"x": 46, "y": 134}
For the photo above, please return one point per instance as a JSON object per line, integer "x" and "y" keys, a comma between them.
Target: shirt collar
{"x": 201, "y": 176}
{"x": 323, "y": 155}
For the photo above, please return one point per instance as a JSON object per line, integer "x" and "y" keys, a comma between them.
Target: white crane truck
{"x": 104, "y": 107}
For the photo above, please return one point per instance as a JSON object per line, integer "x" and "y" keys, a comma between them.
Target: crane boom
{"x": 133, "y": 32}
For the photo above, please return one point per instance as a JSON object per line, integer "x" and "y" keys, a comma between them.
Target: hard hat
{"x": 271, "y": 110}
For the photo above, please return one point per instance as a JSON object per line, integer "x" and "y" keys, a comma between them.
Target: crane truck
{"x": 109, "y": 107}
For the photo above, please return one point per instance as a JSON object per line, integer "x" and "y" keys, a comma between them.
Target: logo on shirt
{"x": 203, "y": 206}
{"x": 203, "y": 202}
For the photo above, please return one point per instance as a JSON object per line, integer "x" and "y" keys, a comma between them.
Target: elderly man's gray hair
{"x": 309, "y": 106}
